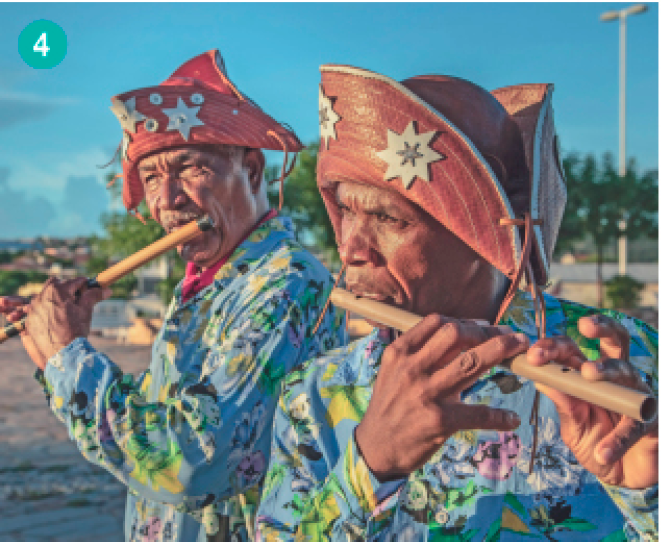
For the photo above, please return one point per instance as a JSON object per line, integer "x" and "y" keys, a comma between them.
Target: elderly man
{"x": 428, "y": 184}
{"x": 190, "y": 438}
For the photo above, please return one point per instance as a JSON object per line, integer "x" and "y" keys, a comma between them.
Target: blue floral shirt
{"x": 476, "y": 487}
{"x": 190, "y": 437}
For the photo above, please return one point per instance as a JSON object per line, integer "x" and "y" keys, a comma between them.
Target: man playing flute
{"x": 446, "y": 201}
{"x": 190, "y": 437}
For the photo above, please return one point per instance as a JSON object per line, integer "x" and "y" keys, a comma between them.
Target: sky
{"x": 56, "y": 127}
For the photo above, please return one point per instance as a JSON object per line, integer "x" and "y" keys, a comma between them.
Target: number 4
{"x": 40, "y": 46}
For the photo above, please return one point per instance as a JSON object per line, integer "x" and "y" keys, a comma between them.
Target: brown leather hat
{"x": 444, "y": 143}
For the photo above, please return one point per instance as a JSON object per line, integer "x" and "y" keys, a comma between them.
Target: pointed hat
{"x": 197, "y": 105}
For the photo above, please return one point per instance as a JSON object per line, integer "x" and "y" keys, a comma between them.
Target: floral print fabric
{"x": 190, "y": 437}
{"x": 476, "y": 487}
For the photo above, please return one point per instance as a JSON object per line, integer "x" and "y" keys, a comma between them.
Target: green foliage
{"x": 5, "y": 256}
{"x": 303, "y": 203}
{"x": 11, "y": 281}
{"x": 623, "y": 292}
{"x": 599, "y": 199}
{"x": 125, "y": 235}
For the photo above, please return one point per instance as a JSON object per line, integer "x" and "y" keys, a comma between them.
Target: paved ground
{"x": 48, "y": 492}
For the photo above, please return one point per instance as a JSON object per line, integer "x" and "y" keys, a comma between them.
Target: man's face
{"x": 186, "y": 183}
{"x": 398, "y": 254}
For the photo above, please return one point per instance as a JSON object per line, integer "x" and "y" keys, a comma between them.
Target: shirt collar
{"x": 195, "y": 281}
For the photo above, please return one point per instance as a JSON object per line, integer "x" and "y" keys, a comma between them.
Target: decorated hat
{"x": 472, "y": 163}
{"x": 196, "y": 105}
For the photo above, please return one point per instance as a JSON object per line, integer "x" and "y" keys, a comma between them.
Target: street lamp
{"x": 622, "y": 16}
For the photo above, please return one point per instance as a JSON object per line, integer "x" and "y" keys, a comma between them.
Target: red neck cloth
{"x": 194, "y": 281}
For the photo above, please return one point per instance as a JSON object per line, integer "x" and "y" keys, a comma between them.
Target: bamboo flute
{"x": 619, "y": 399}
{"x": 130, "y": 264}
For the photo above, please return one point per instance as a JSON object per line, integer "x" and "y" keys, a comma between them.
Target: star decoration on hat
{"x": 408, "y": 155}
{"x": 328, "y": 118}
{"x": 126, "y": 140}
{"x": 127, "y": 114}
{"x": 183, "y": 118}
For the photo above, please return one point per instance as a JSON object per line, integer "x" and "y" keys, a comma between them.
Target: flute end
{"x": 649, "y": 409}
{"x": 205, "y": 223}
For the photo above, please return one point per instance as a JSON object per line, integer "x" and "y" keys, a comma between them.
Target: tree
{"x": 599, "y": 200}
{"x": 303, "y": 203}
{"x": 125, "y": 235}
{"x": 623, "y": 292}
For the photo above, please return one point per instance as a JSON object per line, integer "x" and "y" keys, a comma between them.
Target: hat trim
{"x": 361, "y": 72}
{"x": 536, "y": 175}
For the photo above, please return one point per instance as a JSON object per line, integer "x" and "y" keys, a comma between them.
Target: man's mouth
{"x": 374, "y": 296}
{"x": 174, "y": 223}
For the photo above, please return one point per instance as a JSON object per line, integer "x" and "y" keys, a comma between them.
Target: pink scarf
{"x": 194, "y": 281}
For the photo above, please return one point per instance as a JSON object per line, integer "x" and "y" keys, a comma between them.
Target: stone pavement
{"x": 48, "y": 492}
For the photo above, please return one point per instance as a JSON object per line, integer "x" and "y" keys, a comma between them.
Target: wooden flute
{"x": 130, "y": 264}
{"x": 619, "y": 399}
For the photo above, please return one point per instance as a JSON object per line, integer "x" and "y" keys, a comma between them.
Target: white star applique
{"x": 408, "y": 155}
{"x": 126, "y": 113}
{"x": 327, "y": 118}
{"x": 126, "y": 140}
{"x": 183, "y": 118}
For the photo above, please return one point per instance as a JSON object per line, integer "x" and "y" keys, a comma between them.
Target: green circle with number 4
{"x": 42, "y": 44}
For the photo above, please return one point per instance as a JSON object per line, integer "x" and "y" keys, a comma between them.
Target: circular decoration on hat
{"x": 151, "y": 125}
{"x": 155, "y": 98}
{"x": 235, "y": 111}
{"x": 197, "y": 98}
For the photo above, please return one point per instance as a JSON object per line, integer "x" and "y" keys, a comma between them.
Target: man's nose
{"x": 358, "y": 246}
{"x": 172, "y": 194}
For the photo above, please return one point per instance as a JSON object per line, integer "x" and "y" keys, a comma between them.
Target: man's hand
{"x": 15, "y": 308}
{"x": 416, "y": 403}
{"x": 57, "y": 316}
{"x": 617, "y": 449}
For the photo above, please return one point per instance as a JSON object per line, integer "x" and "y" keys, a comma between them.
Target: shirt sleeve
{"x": 207, "y": 437}
{"x": 348, "y": 504}
{"x": 640, "y": 508}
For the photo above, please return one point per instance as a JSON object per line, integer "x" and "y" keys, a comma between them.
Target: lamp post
{"x": 621, "y": 15}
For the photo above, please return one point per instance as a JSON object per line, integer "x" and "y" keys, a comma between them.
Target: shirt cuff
{"x": 365, "y": 496}
{"x": 640, "y": 509}
{"x": 60, "y": 374}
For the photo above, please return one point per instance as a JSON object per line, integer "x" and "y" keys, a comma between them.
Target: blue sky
{"x": 55, "y": 125}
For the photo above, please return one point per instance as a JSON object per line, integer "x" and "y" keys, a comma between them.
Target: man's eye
{"x": 383, "y": 217}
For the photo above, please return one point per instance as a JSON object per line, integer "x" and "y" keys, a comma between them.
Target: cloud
{"x": 85, "y": 198}
{"x": 20, "y": 214}
{"x": 19, "y": 107}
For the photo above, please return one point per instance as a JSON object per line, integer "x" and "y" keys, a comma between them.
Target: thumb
{"x": 91, "y": 297}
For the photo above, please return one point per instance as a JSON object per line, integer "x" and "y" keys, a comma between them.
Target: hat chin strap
{"x": 524, "y": 267}
{"x": 284, "y": 172}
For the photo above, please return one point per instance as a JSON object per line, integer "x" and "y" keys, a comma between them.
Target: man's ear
{"x": 254, "y": 162}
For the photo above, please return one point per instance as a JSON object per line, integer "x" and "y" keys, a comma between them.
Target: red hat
{"x": 197, "y": 104}
{"x": 377, "y": 131}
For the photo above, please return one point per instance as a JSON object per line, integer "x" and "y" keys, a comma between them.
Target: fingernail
{"x": 605, "y": 457}
{"x": 521, "y": 337}
{"x": 536, "y": 354}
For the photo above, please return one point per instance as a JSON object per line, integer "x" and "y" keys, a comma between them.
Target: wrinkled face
{"x": 186, "y": 183}
{"x": 398, "y": 254}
